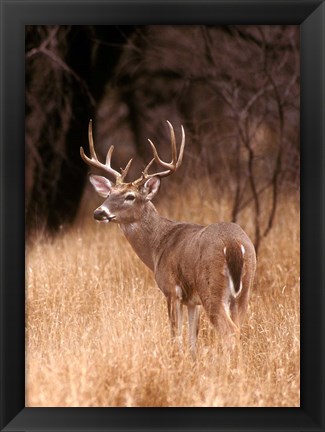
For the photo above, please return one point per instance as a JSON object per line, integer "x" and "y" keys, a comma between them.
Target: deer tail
{"x": 234, "y": 254}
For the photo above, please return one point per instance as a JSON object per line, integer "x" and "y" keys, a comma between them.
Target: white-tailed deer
{"x": 194, "y": 265}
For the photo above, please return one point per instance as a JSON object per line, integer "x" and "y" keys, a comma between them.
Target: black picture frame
{"x": 309, "y": 14}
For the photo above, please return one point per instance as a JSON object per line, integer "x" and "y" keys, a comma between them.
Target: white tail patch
{"x": 231, "y": 285}
{"x": 178, "y": 291}
{"x": 240, "y": 288}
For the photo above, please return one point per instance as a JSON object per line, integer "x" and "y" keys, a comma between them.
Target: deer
{"x": 196, "y": 266}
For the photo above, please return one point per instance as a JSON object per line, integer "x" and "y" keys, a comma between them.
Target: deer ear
{"x": 151, "y": 187}
{"x": 101, "y": 185}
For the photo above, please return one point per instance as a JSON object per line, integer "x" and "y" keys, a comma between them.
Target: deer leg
{"x": 234, "y": 313}
{"x": 175, "y": 313}
{"x": 218, "y": 312}
{"x": 179, "y": 313}
{"x": 227, "y": 326}
{"x": 243, "y": 298}
{"x": 193, "y": 327}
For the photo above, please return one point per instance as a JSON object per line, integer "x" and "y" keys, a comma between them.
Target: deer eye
{"x": 130, "y": 197}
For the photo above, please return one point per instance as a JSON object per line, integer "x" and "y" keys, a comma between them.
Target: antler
{"x": 170, "y": 167}
{"x": 93, "y": 160}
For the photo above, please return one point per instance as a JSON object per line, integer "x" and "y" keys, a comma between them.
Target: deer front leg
{"x": 175, "y": 313}
{"x": 193, "y": 327}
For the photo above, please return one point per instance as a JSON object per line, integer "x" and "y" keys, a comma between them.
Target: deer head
{"x": 124, "y": 201}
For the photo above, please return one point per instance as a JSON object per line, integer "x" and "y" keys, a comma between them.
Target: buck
{"x": 194, "y": 265}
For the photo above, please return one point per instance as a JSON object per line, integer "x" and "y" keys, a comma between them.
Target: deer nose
{"x": 101, "y": 214}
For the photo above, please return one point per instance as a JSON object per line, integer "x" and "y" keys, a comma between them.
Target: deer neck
{"x": 144, "y": 235}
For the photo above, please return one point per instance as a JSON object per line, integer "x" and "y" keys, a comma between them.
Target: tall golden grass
{"x": 97, "y": 331}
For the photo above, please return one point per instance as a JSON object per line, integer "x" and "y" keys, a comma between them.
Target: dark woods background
{"x": 234, "y": 88}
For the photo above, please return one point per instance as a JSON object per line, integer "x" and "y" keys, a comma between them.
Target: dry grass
{"x": 98, "y": 334}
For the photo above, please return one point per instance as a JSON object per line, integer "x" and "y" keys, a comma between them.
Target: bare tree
{"x": 61, "y": 95}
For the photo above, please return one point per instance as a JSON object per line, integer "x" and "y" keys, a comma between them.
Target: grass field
{"x": 97, "y": 332}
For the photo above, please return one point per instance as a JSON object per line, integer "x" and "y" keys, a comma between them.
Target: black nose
{"x": 100, "y": 214}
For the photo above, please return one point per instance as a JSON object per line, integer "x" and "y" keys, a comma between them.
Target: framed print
{"x": 93, "y": 335}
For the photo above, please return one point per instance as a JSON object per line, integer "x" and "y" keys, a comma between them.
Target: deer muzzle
{"x": 102, "y": 215}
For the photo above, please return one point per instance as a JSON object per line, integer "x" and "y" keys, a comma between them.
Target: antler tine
{"x": 181, "y": 151}
{"x": 173, "y": 143}
{"x": 93, "y": 160}
{"x": 126, "y": 170}
{"x": 176, "y": 161}
{"x": 109, "y": 155}
{"x": 145, "y": 171}
{"x": 91, "y": 141}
